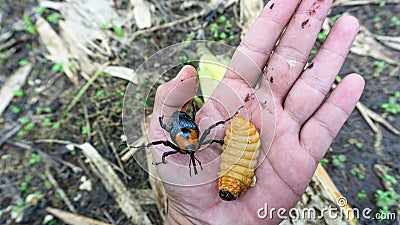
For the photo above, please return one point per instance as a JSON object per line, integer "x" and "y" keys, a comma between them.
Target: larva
{"x": 238, "y": 159}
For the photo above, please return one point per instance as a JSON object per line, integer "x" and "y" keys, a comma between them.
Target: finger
{"x": 311, "y": 88}
{"x": 320, "y": 130}
{"x": 293, "y": 50}
{"x": 175, "y": 94}
{"x": 256, "y": 46}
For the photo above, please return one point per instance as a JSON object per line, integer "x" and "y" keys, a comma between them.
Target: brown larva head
{"x": 227, "y": 196}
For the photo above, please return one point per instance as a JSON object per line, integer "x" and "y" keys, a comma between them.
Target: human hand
{"x": 304, "y": 128}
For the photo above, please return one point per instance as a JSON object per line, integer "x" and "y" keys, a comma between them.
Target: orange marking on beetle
{"x": 182, "y": 142}
{"x": 239, "y": 158}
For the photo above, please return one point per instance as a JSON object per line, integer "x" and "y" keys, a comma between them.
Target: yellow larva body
{"x": 238, "y": 159}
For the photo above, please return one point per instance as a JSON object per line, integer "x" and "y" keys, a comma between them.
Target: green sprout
{"x": 23, "y": 62}
{"x": 379, "y": 66}
{"x": 358, "y": 171}
{"x": 47, "y": 122}
{"x": 35, "y": 158}
{"x": 338, "y": 160}
{"x": 48, "y": 109}
{"x": 47, "y": 184}
{"x": 41, "y": 10}
{"x": 359, "y": 145}
{"x": 362, "y": 194}
{"x": 214, "y": 29}
{"x": 28, "y": 178}
{"x": 53, "y": 18}
{"x": 138, "y": 96}
{"x": 392, "y": 106}
{"x": 377, "y": 19}
{"x": 85, "y": 130}
{"x": 57, "y": 67}
{"x": 335, "y": 17}
{"x": 118, "y": 31}
{"x": 100, "y": 93}
{"x": 324, "y": 161}
{"x": 29, "y": 25}
{"x": 386, "y": 199}
{"x": 19, "y": 93}
{"x": 322, "y": 35}
{"x": 15, "y": 109}
{"x": 24, "y": 187}
{"x": 395, "y": 21}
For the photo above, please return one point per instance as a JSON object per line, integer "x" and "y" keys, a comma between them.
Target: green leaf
{"x": 58, "y": 67}
{"x": 53, "y": 18}
{"x": 118, "y": 31}
{"x": 47, "y": 122}
{"x": 211, "y": 71}
{"x": 15, "y": 109}
{"x": 23, "y": 62}
{"x": 24, "y": 120}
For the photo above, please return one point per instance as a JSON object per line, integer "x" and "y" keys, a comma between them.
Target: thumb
{"x": 177, "y": 93}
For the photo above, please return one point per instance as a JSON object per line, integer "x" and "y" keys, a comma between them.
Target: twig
{"x": 376, "y": 117}
{"x": 10, "y": 133}
{"x": 103, "y": 140}
{"x": 59, "y": 190}
{"x": 204, "y": 12}
{"x": 117, "y": 157}
{"x": 85, "y": 112}
{"x": 57, "y": 141}
{"x": 108, "y": 216}
{"x": 74, "y": 219}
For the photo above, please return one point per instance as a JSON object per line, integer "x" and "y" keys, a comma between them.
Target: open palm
{"x": 304, "y": 128}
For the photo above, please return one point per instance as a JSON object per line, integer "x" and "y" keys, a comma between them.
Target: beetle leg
{"x": 162, "y": 124}
{"x": 193, "y": 111}
{"x": 164, "y": 142}
{"x": 193, "y": 160}
{"x": 165, "y": 154}
{"x": 208, "y": 130}
{"x": 210, "y": 141}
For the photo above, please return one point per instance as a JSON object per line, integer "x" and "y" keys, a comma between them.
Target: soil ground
{"x": 47, "y": 92}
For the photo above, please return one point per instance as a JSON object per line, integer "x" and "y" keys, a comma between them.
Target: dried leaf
{"x": 392, "y": 42}
{"x": 249, "y": 11}
{"x": 114, "y": 186}
{"x": 122, "y": 72}
{"x": 74, "y": 219}
{"x": 56, "y": 47}
{"x": 142, "y": 14}
{"x": 366, "y": 45}
{"x": 13, "y": 83}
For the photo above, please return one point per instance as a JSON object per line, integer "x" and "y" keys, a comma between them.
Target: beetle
{"x": 185, "y": 136}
